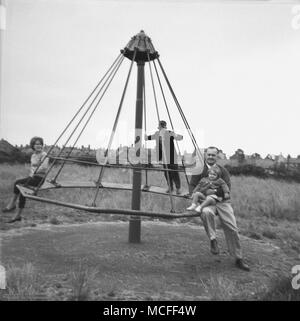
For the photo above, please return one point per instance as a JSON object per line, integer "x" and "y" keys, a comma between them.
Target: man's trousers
{"x": 228, "y": 222}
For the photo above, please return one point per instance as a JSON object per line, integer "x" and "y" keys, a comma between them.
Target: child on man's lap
{"x": 209, "y": 191}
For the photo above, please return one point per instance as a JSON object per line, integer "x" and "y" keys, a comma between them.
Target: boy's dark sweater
{"x": 219, "y": 185}
{"x": 224, "y": 174}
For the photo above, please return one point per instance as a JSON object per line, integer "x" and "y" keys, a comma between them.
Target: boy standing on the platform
{"x": 166, "y": 154}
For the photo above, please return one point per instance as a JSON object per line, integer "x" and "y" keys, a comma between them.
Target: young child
{"x": 209, "y": 191}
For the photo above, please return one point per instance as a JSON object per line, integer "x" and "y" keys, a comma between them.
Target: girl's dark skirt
{"x": 27, "y": 181}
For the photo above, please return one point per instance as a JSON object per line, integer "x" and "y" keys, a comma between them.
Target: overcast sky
{"x": 234, "y": 66}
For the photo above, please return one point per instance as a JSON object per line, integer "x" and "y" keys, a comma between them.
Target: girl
{"x": 39, "y": 165}
{"x": 210, "y": 190}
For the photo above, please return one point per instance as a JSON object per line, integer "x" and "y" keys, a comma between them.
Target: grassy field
{"x": 265, "y": 209}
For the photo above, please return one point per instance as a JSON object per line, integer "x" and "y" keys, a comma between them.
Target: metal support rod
{"x": 135, "y": 222}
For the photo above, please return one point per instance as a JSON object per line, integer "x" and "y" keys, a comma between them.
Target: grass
{"x": 220, "y": 288}
{"x": 281, "y": 291}
{"x": 264, "y": 208}
{"x": 266, "y": 198}
{"x": 54, "y": 221}
{"x": 82, "y": 279}
{"x": 23, "y": 283}
{"x": 251, "y": 197}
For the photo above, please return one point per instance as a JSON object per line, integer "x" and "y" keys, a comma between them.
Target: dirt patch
{"x": 173, "y": 261}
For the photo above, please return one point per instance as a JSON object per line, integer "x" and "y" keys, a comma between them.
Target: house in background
{"x": 280, "y": 158}
{"x": 270, "y": 157}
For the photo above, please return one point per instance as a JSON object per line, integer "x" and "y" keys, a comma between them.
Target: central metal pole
{"x": 135, "y": 221}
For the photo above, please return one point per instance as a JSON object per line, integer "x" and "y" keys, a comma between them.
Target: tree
{"x": 239, "y": 155}
{"x": 255, "y": 156}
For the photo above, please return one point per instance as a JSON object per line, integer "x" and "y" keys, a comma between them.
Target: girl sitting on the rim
{"x": 39, "y": 165}
{"x": 209, "y": 191}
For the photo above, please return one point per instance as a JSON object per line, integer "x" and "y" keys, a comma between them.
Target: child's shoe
{"x": 192, "y": 207}
{"x": 198, "y": 209}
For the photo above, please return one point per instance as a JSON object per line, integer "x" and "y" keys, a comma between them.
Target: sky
{"x": 234, "y": 66}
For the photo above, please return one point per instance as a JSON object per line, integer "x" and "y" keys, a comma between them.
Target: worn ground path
{"x": 172, "y": 262}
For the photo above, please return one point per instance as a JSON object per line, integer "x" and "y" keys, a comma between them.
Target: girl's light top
{"x": 36, "y": 160}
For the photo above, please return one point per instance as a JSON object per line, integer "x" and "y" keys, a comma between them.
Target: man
{"x": 223, "y": 209}
{"x": 166, "y": 153}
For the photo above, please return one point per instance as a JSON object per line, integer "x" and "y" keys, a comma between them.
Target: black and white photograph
{"x": 149, "y": 154}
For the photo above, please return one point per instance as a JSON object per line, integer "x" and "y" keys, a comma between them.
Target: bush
{"x": 82, "y": 279}
{"x": 23, "y": 283}
{"x": 247, "y": 170}
{"x": 280, "y": 172}
{"x": 17, "y": 157}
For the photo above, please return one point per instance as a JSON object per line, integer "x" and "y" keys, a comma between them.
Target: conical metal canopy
{"x": 142, "y": 43}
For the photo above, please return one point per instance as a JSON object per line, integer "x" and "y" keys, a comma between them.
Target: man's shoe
{"x": 214, "y": 248}
{"x": 240, "y": 263}
{"x": 168, "y": 191}
{"x": 17, "y": 219}
{"x": 178, "y": 191}
{"x": 188, "y": 195}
